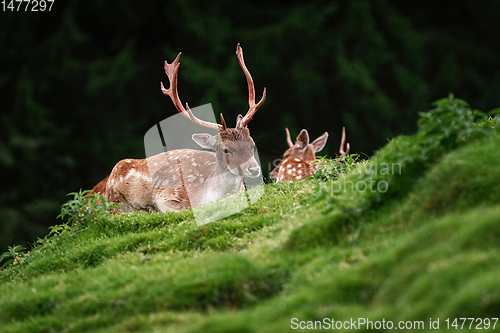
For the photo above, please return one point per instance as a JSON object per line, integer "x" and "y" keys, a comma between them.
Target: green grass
{"x": 428, "y": 247}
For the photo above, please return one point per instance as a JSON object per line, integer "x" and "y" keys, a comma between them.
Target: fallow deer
{"x": 297, "y": 160}
{"x": 302, "y": 150}
{"x": 182, "y": 178}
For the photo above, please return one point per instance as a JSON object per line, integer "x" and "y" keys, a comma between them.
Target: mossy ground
{"x": 426, "y": 248}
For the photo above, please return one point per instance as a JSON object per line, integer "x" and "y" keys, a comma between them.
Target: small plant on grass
{"x": 331, "y": 169}
{"x": 12, "y": 256}
{"x": 85, "y": 206}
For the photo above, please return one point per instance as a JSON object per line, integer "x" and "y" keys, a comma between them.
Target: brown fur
{"x": 295, "y": 169}
{"x": 235, "y": 134}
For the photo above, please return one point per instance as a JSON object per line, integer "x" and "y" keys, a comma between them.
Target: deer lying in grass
{"x": 297, "y": 160}
{"x": 205, "y": 175}
{"x": 301, "y": 152}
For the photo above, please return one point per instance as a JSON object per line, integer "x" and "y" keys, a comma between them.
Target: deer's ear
{"x": 320, "y": 142}
{"x": 204, "y": 140}
{"x": 302, "y": 139}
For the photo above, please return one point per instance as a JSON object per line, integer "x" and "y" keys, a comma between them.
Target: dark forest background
{"x": 80, "y": 84}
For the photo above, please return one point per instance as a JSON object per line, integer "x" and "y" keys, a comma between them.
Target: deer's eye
{"x": 227, "y": 151}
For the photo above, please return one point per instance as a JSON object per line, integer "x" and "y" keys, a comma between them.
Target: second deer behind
{"x": 297, "y": 160}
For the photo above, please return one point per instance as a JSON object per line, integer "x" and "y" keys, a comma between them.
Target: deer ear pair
{"x": 318, "y": 144}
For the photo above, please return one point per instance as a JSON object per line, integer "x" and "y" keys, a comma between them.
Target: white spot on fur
{"x": 289, "y": 171}
{"x": 202, "y": 180}
{"x": 128, "y": 161}
{"x": 299, "y": 177}
{"x": 300, "y": 171}
{"x": 296, "y": 160}
{"x": 194, "y": 164}
{"x": 130, "y": 173}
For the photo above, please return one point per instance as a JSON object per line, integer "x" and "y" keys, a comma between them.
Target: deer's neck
{"x": 220, "y": 184}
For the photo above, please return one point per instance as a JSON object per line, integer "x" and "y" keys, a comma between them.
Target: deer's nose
{"x": 254, "y": 172}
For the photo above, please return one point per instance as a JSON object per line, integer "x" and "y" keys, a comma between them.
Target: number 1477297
{"x": 27, "y": 5}
{"x": 477, "y": 323}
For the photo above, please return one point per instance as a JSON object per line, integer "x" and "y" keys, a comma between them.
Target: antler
{"x": 342, "y": 141}
{"x": 288, "y": 138}
{"x": 172, "y": 71}
{"x": 251, "y": 90}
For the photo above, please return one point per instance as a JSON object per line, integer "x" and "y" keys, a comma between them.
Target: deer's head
{"x": 233, "y": 147}
{"x": 302, "y": 148}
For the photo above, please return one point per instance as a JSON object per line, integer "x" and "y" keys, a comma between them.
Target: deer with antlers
{"x": 177, "y": 179}
{"x": 297, "y": 160}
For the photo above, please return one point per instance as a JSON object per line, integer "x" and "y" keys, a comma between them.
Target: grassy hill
{"x": 421, "y": 244}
